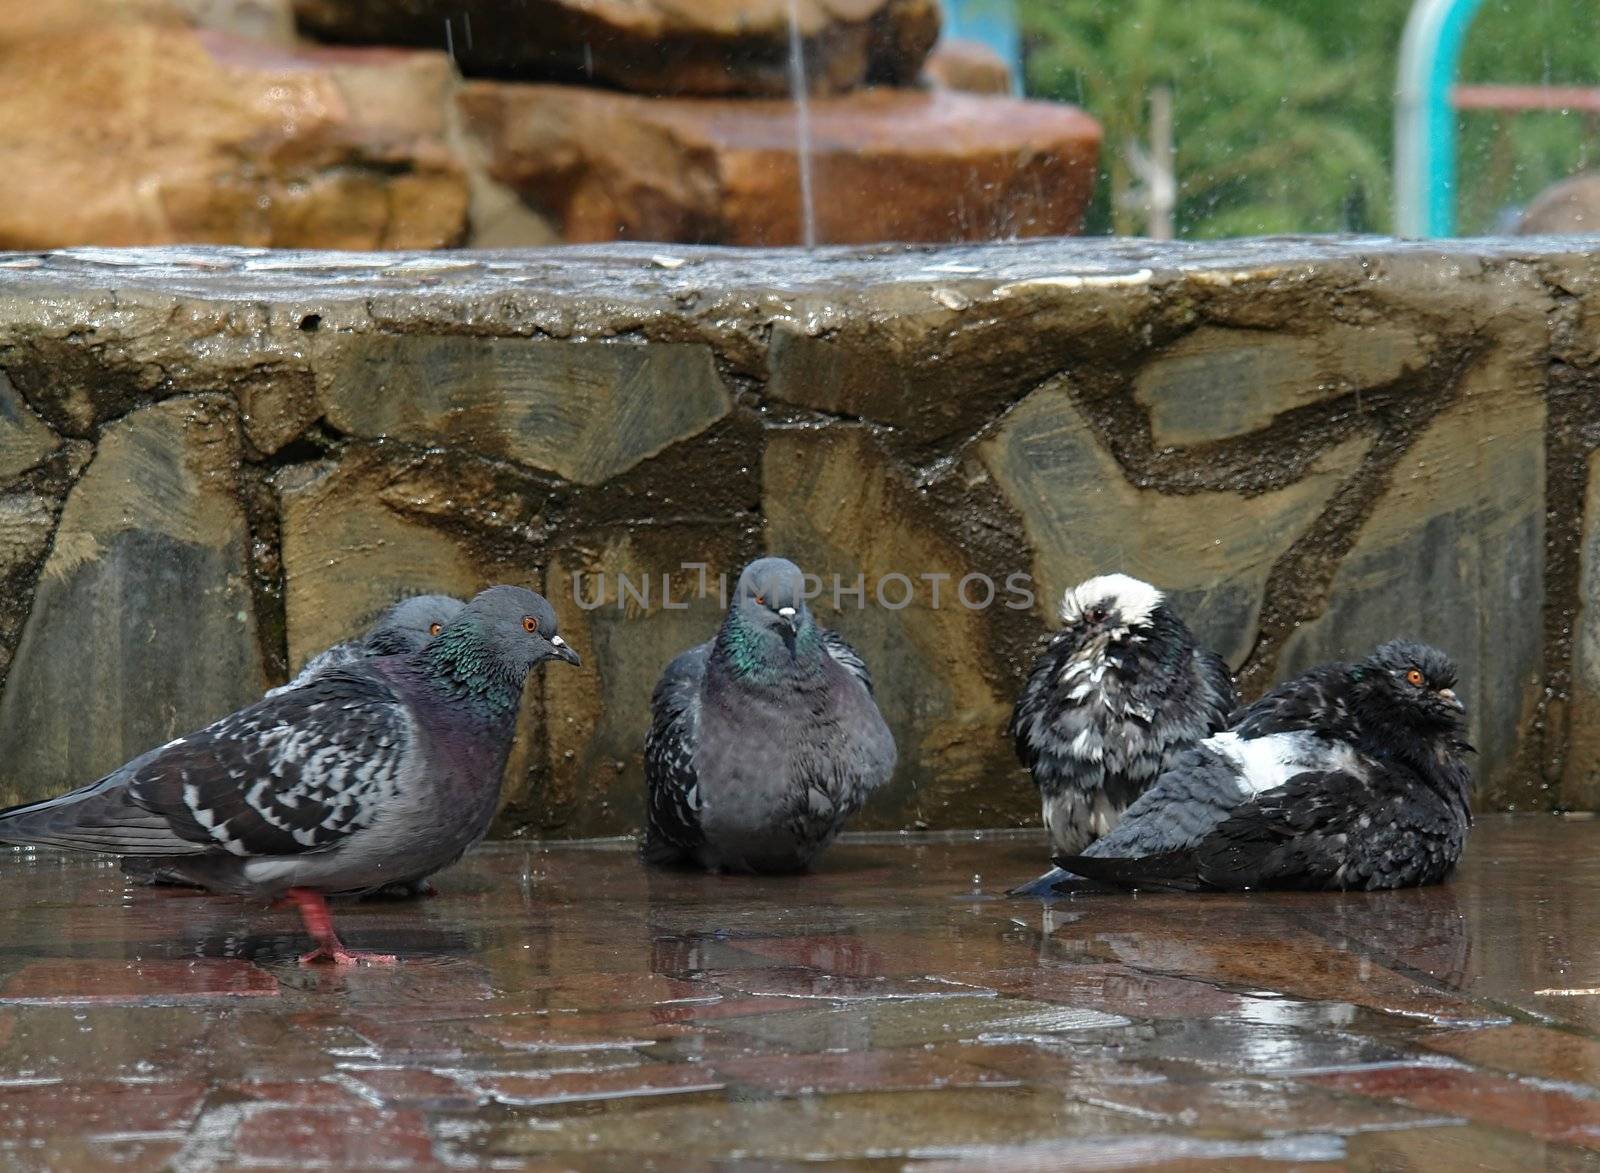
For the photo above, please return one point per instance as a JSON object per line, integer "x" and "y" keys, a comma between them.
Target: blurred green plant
{"x": 1284, "y": 108}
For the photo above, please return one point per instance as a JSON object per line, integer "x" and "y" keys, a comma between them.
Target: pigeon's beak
{"x": 563, "y": 652}
{"x": 787, "y": 615}
{"x": 1448, "y": 695}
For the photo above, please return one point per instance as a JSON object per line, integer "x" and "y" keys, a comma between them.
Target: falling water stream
{"x": 802, "y": 125}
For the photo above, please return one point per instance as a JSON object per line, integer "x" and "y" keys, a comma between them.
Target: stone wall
{"x": 214, "y": 462}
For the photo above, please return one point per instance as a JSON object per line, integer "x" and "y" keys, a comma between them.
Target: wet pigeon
{"x": 381, "y": 772}
{"x": 764, "y": 740}
{"x": 404, "y": 627}
{"x": 1112, "y": 700}
{"x": 1351, "y": 776}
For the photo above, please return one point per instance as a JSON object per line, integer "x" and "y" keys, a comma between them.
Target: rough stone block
{"x": 1453, "y": 553}
{"x": 25, "y": 439}
{"x": 1211, "y": 551}
{"x": 125, "y": 133}
{"x": 885, "y": 164}
{"x": 586, "y": 411}
{"x": 724, "y": 47}
{"x": 1219, "y": 382}
{"x": 837, "y": 505}
{"x": 143, "y": 616}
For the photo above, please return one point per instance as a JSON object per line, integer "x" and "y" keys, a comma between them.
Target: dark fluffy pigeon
{"x": 1351, "y": 776}
{"x": 1112, "y": 700}
{"x": 378, "y": 773}
{"x": 763, "y": 741}
{"x": 404, "y": 627}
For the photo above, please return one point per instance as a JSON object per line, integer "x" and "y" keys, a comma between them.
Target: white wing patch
{"x": 1265, "y": 763}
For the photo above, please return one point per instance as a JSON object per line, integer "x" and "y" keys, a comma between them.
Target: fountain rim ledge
{"x": 647, "y": 271}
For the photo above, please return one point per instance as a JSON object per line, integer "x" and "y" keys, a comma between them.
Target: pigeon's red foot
{"x": 340, "y": 956}
{"x": 330, "y": 950}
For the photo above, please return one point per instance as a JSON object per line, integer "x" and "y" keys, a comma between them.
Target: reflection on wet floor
{"x": 563, "y": 1008}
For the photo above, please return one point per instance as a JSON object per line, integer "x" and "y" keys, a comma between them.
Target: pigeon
{"x": 763, "y": 741}
{"x": 404, "y": 627}
{"x": 1111, "y": 701}
{"x": 382, "y": 771}
{"x": 1350, "y": 776}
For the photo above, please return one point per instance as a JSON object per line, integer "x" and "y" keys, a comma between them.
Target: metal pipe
{"x": 1424, "y": 121}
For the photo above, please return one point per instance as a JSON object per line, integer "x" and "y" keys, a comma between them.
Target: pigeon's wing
{"x": 1200, "y": 789}
{"x": 1218, "y": 695}
{"x": 848, "y": 656}
{"x": 1316, "y": 701}
{"x": 289, "y": 774}
{"x": 672, "y": 826}
{"x": 1046, "y": 723}
{"x": 338, "y": 656}
{"x": 1336, "y": 830}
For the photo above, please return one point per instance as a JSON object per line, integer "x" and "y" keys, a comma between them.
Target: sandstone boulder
{"x": 969, "y": 66}
{"x": 885, "y": 164}
{"x": 722, "y": 47}
{"x": 148, "y": 133}
{"x": 1569, "y": 207}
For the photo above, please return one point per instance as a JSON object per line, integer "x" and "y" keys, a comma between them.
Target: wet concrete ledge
{"x": 215, "y": 461}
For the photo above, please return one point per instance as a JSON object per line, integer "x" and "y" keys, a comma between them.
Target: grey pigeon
{"x": 764, "y": 740}
{"x": 404, "y": 627}
{"x": 1111, "y": 701}
{"x": 380, "y": 772}
{"x": 1350, "y": 776}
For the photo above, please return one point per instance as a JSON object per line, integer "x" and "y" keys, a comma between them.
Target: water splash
{"x": 802, "y": 125}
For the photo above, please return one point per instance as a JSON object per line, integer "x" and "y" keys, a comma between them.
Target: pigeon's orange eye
{"x": 1414, "y": 678}
{"x": 762, "y": 599}
{"x": 530, "y": 624}
{"x": 435, "y": 628}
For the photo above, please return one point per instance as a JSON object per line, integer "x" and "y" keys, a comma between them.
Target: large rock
{"x": 143, "y": 625}
{"x": 586, "y": 412}
{"x": 1571, "y": 206}
{"x": 148, "y": 133}
{"x": 25, "y": 439}
{"x": 723, "y": 47}
{"x": 884, "y": 164}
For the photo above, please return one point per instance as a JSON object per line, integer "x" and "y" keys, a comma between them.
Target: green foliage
{"x": 1284, "y": 108}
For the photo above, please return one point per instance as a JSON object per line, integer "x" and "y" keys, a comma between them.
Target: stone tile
{"x": 584, "y": 411}
{"x": 1524, "y": 1049}
{"x": 1548, "y": 1112}
{"x": 801, "y": 983}
{"x": 1463, "y": 1147}
{"x": 1114, "y": 989}
{"x": 346, "y": 1138}
{"x": 901, "y": 1069}
{"x": 620, "y": 1083}
{"x": 176, "y": 554}
{"x": 616, "y": 991}
{"x": 411, "y": 1087}
{"x": 874, "y": 1125}
{"x": 1246, "y": 1107}
{"x": 1246, "y": 1048}
{"x": 1213, "y": 551}
{"x": 36, "y": 1111}
{"x": 137, "y": 983}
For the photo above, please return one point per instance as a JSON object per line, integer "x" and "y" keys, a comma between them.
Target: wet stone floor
{"x": 562, "y": 1008}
